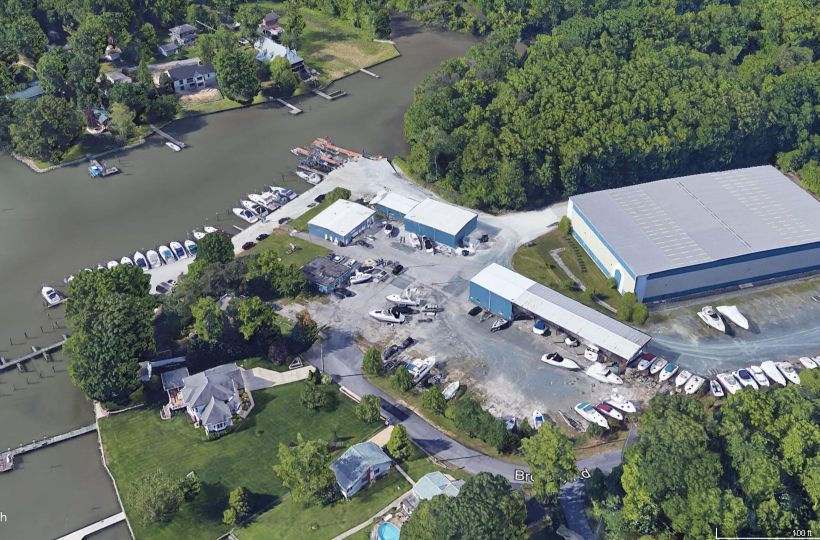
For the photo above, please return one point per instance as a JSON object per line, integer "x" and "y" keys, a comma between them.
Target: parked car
{"x": 475, "y": 311}
{"x": 364, "y": 244}
{"x": 408, "y": 342}
{"x": 397, "y": 269}
{"x": 162, "y": 288}
{"x": 248, "y": 245}
{"x": 262, "y": 236}
{"x": 390, "y": 351}
{"x": 283, "y": 220}
{"x": 484, "y": 238}
{"x": 319, "y": 198}
{"x": 432, "y": 308}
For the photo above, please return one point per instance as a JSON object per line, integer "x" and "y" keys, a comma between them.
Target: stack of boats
{"x": 258, "y": 205}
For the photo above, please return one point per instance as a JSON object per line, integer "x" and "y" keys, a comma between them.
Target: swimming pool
{"x": 388, "y": 531}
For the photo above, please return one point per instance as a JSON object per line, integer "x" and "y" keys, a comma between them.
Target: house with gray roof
{"x": 189, "y": 77}
{"x": 184, "y": 34}
{"x": 360, "y": 465}
{"x": 212, "y": 398}
{"x": 436, "y": 483}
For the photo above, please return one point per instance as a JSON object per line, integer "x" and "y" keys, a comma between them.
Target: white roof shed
{"x": 342, "y": 217}
{"x": 441, "y": 216}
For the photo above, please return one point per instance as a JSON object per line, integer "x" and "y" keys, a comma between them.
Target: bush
{"x": 594, "y": 431}
{"x": 369, "y": 409}
{"x": 612, "y": 284}
{"x": 565, "y": 226}
{"x": 401, "y": 380}
{"x": 372, "y": 363}
{"x": 313, "y": 398}
{"x": 625, "y": 312}
{"x": 337, "y": 193}
{"x": 399, "y": 444}
{"x": 155, "y": 497}
{"x": 640, "y": 313}
{"x": 190, "y": 486}
{"x": 327, "y": 378}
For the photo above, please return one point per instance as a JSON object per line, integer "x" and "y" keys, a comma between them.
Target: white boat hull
{"x": 716, "y": 389}
{"x": 657, "y": 365}
{"x": 603, "y": 374}
{"x": 694, "y": 384}
{"x": 771, "y": 371}
{"x": 759, "y": 376}
{"x": 401, "y": 301}
{"x": 682, "y": 377}
{"x": 564, "y": 363}
{"x": 729, "y": 382}
{"x": 537, "y": 419}
{"x": 746, "y": 382}
{"x": 788, "y": 372}
{"x": 716, "y": 323}
{"x": 807, "y": 362}
{"x": 588, "y": 412}
{"x": 381, "y": 316}
{"x": 668, "y": 372}
{"x": 612, "y": 413}
{"x": 450, "y": 390}
{"x": 734, "y": 315}
{"x": 153, "y": 258}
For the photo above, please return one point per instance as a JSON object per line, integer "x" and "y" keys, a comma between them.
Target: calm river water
{"x": 52, "y": 225}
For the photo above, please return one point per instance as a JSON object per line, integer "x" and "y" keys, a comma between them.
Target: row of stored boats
{"x": 614, "y": 406}
{"x": 258, "y": 205}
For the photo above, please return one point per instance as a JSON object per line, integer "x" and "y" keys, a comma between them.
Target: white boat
{"x": 112, "y": 264}
{"x": 153, "y": 258}
{"x": 141, "y": 261}
{"x": 602, "y": 373}
{"x": 199, "y": 235}
{"x": 178, "y": 250}
{"x": 127, "y": 261}
{"x": 166, "y": 254}
{"x": 807, "y": 362}
{"x": 419, "y": 368}
{"x": 710, "y": 317}
{"x": 287, "y": 193}
{"x": 657, "y": 365}
{"x": 414, "y": 239}
{"x": 309, "y": 177}
{"x": 670, "y": 369}
{"x": 759, "y": 375}
{"x": 401, "y": 300}
{"x": 734, "y": 315}
{"x": 788, "y": 371}
{"x": 539, "y": 327}
{"x": 771, "y": 371}
{"x": 729, "y": 382}
{"x": 745, "y": 378}
{"x": 682, "y": 377}
{"x": 257, "y": 209}
{"x": 555, "y": 359}
{"x": 716, "y": 389}
{"x": 537, "y": 419}
{"x": 208, "y": 229}
{"x": 245, "y": 214}
{"x": 388, "y": 229}
{"x": 619, "y": 402}
{"x": 360, "y": 277}
{"x": 173, "y": 146}
{"x": 498, "y": 324}
{"x": 450, "y": 390}
{"x": 266, "y": 199}
{"x": 191, "y": 247}
{"x": 51, "y": 296}
{"x": 384, "y": 315}
{"x": 427, "y": 244}
{"x": 608, "y": 410}
{"x": 694, "y": 384}
{"x": 100, "y": 267}
{"x": 588, "y": 412}
{"x": 645, "y": 361}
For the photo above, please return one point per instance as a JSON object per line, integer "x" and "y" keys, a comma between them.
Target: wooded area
{"x": 618, "y": 93}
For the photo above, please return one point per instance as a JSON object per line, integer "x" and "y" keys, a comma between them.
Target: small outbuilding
{"x": 361, "y": 465}
{"x": 441, "y": 222}
{"x": 436, "y": 483}
{"x": 393, "y": 205}
{"x": 341, "y": 222}
{"x": 326, "y": 273}
{"x": 117, "y": 77}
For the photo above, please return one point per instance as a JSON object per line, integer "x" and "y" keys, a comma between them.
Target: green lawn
{"x": 138, "y": 442}
{"x": 300, "y": 223}
{"x": 536, "y": 263}
{"x": 279, "y": 241}
{"x": 88, "y": 144}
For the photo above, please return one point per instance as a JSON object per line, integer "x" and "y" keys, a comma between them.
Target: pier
{"x": 167, "y": 137}
{"x": 293, "y": 109}
{"x": 35, "y": 352}
{"x": 94, "y": 527}
{"x": 368, "y": 72}
{"x": 336, "y": 94}
{"x": 7, "y": 457}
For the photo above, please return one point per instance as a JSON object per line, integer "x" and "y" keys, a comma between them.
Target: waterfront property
{"x": 393, "y": 205}
{"x": 509, "y": 295}
{"x": 361, "y": 465}
{"x": 693, "y": 234}
{"x": 191, "y": 77}
{"x": 328, "y": 272}
{"x": 341, "y": 222}
{"x": 442, "y": 222}
{"x": 184, "y": 34}
{"x": 211, "y": 398}
{"x": 267, "y": 50}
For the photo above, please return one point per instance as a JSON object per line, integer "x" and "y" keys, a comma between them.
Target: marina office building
{"x": 341, "y": 222}
{"x": 508, "y": 295}
{"x": 689, "y": 235}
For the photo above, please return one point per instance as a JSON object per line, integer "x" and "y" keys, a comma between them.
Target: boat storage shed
{"x": 690, "y": 235}
{"x": 341, "y": 222}
{"x": 393, "y": 205}
{"x": 508, "y": 294}
{"x": 441, "y": 222}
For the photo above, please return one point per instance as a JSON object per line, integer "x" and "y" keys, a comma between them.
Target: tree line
{"x": 617, "y": 93}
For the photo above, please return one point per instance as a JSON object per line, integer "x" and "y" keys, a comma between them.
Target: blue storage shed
{"x": 441, "y": 222}
{"x": 341, "y": 222}
{"x": 393, "y": 206}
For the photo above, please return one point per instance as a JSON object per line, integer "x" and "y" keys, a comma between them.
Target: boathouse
{"x": 441, "y": 222}
{"x": 341, "y": 222}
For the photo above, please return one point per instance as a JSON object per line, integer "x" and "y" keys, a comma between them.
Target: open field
{"x": 279, "y": 241}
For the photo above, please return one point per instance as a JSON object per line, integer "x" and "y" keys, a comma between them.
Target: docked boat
{"x": 287, "y": 193}
{"x": 602, "y": 373}
{"x": 589, "y": 413}
{"x": 111, "y": 264}
{"x": 141, "y": 261}
{"x": 127, "y": 261}
{"x": 555, "y": 359}
{"x": 450, "y": 390}
{"x": 537, "y": 419}
{"x": 153, "y": 258}
{"x": 384, "y": 315}
{"x": 178, "y": 250}
{"x": 51, "y": 296}
{"x": 745, "y": 378}
{"x": 729, "y": 382}
{"x": 771, "y": 371}
{"x": 539, "y": 327}
{"x": 759, "y": 375}
{"x": 419, "y": 368}
{"x": 710, "y": 317}
{"x": 657, "y": 365}
{"x": 360, "y": 277}
{"x": 309, "y": 177}
{"x": 173, "y": 146}
{"x": 682, "y": 377}
{"x": 645, "y": 361}
{"x": 166, "y": 254}
{"x": 428, "y": 245}
{"x": 245, "y": 214}
{"x": 191, "y": 247}
{"x": 667, "y": 372}
{"x": 619, "y": 402}
{"x": 734, "y": 315}
{"x": 198, "y": 235}
{"x": 499, "y": 324}
{"x": 208, "y": 229}
{"x": 257, "y": 209}
{"x": 694, "y": 384}
{"x": 265, "y": 199}
{"x": 414, "y": 239}
{"x": 401, "y": 300}
{"x": 788, "y": 371}
{"x": 807, "y": 362}
{"x": 608, "y": 410}
{"x": 716, "y": 389}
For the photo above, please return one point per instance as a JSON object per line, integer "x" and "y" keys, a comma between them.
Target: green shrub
{"x": 565, "y": 226}
{"x": 640, "y": 313}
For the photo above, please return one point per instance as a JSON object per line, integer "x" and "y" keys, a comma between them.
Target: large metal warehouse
{"x": 341, "y": 222}
{"x": 393, "y": 205}
{"x": 509, "y": 294}
{"x": 441, "y": 222}
{"x": 688, "y": 235}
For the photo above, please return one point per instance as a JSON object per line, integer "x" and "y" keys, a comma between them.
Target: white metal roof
{"x": 588, "y": 324}
{"x": 342, "y": 217}
{"x": 397, "y": 202}
{"x": 442, "y": 216}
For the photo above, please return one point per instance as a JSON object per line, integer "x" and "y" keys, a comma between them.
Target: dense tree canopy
{"x": 45, "y": 128}
{"x": 304, "y": 468}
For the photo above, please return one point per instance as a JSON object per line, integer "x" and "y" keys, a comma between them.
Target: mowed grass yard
{"x": 279, "y": 242}
{"x": 138, "y": 442}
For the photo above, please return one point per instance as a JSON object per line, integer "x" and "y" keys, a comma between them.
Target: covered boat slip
{"x": 507, "y": 293}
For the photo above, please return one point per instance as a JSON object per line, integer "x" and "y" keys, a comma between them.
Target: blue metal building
{"x": 393, "y": 206}
{"x": 341, "y": 222}
{"x": 441, "y": 222}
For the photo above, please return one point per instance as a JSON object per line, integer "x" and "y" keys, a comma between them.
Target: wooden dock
{"x": 367, "y": 72}
{"x": 7, "y": 457}
{"x": 293, "y": 109}
{"x": 94, "y": 527}
{"x": 336, "y": 94}
{"x": 35, "y": 352}
{"x": 167, "y": 137}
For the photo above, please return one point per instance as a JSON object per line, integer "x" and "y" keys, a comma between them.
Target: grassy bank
{"x": 89, "y": 145}
{"x": 279, "y": 242}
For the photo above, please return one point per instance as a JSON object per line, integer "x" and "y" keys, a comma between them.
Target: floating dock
{"x": 98, "y": 169}
{"x": 7, "y": 457}
{"x": 336, "y": 94}
{"x": 293, "y": 109}
{"x": 367, "y": 72}
{"x": 35, "y": 352}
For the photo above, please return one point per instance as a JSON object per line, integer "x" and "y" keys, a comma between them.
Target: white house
{"x": 212, "y": 397}
{"x": 267, "y": 50}
{"x": 191, "y": 77}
